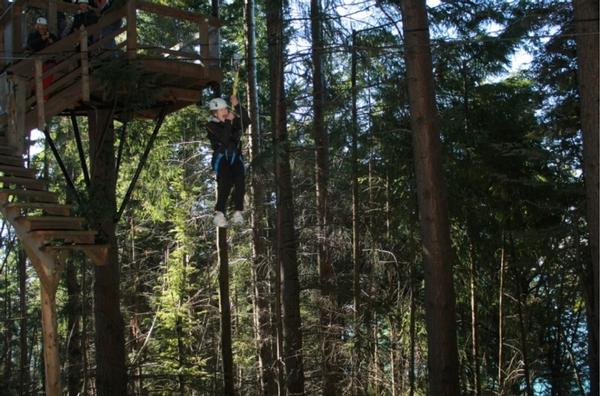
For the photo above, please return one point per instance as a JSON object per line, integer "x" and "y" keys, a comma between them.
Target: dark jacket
{"x": 225, "y": 137}
{"x": 36, "y": 43}
{"x": 87, "y": 18}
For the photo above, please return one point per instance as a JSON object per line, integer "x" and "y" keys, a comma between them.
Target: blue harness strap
{"x": 218, "y": 158}
{"x": 217, "y": 162}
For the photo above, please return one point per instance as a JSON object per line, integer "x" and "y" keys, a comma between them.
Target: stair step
{"x": 31, "y": 184}
{"x": 54, "y": 209}
{"x": 11, "y": 160}
{"x": 8, "y": 150}
{"x": 97, "y": 252}
{"x": 65, "y": 236}
{"x": 18, "y": 171}
{"x": 34, "y": 223}
{"x": 29, "y": 195}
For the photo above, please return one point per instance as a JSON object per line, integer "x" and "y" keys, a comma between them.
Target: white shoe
{"x": 219, "y": 220}
{"x": 237, "y": 218}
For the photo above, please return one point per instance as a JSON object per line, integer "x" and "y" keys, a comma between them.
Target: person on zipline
{"x": 225, "y": 130}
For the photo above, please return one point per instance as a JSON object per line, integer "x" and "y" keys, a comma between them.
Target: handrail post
{"x": 16, "y": 24}
{"x": 52, "y": 17}
{"x": 85, "y": 65}
{"x": 203, "y": 39}
{"x": 39, "y": 93}
{"x": 131, "y": 29}
{"x": 213, "y": 55}
{"x": 11, "y": 134}
{"x": 20, "y": 112}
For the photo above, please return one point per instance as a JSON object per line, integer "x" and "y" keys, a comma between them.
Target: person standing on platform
{"x": 86, "y": 16}
{"x": 40, "y": 38}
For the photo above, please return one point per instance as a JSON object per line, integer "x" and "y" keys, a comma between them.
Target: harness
{"x": 218, "y": 158}
{"x": 222, "y": 153}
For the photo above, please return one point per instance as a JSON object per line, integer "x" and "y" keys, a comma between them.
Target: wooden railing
{"x": 207, "y": 39}
{"x": 114, "y": 35}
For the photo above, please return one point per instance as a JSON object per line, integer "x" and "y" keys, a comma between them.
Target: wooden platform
{"x": 169, "y": 78}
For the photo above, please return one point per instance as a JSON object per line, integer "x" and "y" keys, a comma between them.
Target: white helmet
{"x": 217, "y": 104}
{"x": 41, "y": 21}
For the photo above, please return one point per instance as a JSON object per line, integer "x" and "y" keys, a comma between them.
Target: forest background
{"x": 512, "y": 150}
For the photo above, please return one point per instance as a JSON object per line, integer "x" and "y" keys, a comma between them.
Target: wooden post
{"x": 11, "y": 132}
{"x": 49, "y": 329}
{"x": 204, "y": 40}
{"x": 17, "y": 23}
{"x": 131, "y": 29}
{"x": 49, "y": 272}
{"x": 2, "y": 45}
{"x": 52, "y": 18}
{"x": 20, "y": 112}
{"x": 39, "y": 94}
{"x": 213, "y": 46}
{"x": 85, "y": 66}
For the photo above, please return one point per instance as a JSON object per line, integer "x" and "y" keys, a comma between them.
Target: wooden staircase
{"x": 48, "y": 234}
{"x": 44, "y": 225}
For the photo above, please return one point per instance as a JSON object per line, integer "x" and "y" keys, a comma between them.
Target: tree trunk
{"x": 375, "y": 359}
{"x": 180, "y": 354}
{"x": 501, "y": 322}
{"x": 328, "y": 300}
{"x": 84, "y": 333}
{"x": 521, "y": 277}
{"x": 586, "y": 38}
{"x": 521, "y": 304}
{"x": 286, "y": 238}
{"x": 395, "y": 371}
{"x": 111, "y": 373}
{"x": 523, "y": 341}
{"x": 356, "y": 252}
{"x": 472, "y": 269}
{"x": 23, "y": 359}
{"x": 439, "y": 289}
{"x": 215, "y": 11}
{"x": 73, "y": 309}
{"x": 225, "y": 309}
{"x": 474, "y": 332}
{"x": 262, "y": 299}
{"x": 412, "y": 330}
{"x": 7, "y": 350}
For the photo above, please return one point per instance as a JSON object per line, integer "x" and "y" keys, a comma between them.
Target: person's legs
{"x": 238, "y": 177}
{"x": 224, "y": 185}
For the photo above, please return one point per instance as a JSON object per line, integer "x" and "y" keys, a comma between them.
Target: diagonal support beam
{"x": 84, "y": 167}
{"x": 138, "y": 171}
{"x": 121, "y": 146}
{"x": 62, "y": 166}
